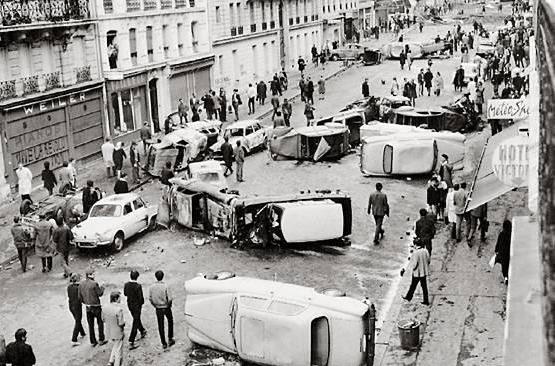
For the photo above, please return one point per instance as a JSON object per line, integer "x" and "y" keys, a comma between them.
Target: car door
{"x": 129, "y": 223}
{"x": 141, "y": 213}
{"x": 250, "y": 137}
{"x": 260, "y": 133}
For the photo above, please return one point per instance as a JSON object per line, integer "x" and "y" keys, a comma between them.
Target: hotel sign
{"x": 510, "y": 161}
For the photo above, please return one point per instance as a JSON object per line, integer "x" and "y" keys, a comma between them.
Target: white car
{"x": 485, "y": 47}
{"x": 208, "y": 171}
{"x": 250, "y": 132}
{"x": 114, "y": 219}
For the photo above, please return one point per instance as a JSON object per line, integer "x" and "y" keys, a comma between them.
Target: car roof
{"x": 243, "y": 124}
{"x": 119, "y": 198}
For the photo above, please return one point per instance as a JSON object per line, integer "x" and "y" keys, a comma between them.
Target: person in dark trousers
{"x": 402, "y": 59}
{"x": 90, "y": 196}
{"x": 161, "y": 298}
{"x": 227, "y": 154}
{"x": 301, "y": 63}
{"x": 378, "y": 207}
{"x": 261, "y": 92}
{"x": 223, "y": 105}
{"x": 146, "y": 135}
{"x": 134, "y": 159}
{"x": 118, "y": 157}
{"x": 75, "y": 307}
{"x": 167, "y": 174}
{"x": 48, "y": 178}
{"x": 365, "y": 88}
{"x": 287, "y": 110}
{"x": 420, "y": 79}
{"x": 135, "y": 300}
{"x": 275, "y": 105}
{"x": 503, "y": 249}
{"x": 236, "y": 102}
{"x": 309, "y": 90}
{"x": 121, "y": 185}
{"x": 239, "y": 154}
{"x": 428, "y": 77}
{"x": 433, "y": 196}
{"x": 445, "y": 171}
{"x": 19, "y": 353}
{"x": 44, "y": 248}
{"x": 62, "y": 237}
{"x": 22, "y": 242}
{"x": 458, "y": 82}
{"x": 168, "y": 124}
{"x": 425, "y": 230}
{"x": 420, "y": 266}
{"x": 89, "y": 295}
{"x": 182, "y": 110}
{"x": 478, "y": 215}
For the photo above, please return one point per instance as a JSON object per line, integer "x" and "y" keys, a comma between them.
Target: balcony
{"x": 233, "y": 31}
{"x": 51, "y": 80}
{"x": 312, "y": 18}
{"x": 30, "y": 85}
{"x": 7, "y": 89}
{"x": 264, "y": 26}
{"x": 316, "y": 17}
{"x": 180, "y": 4}
{"x": 166, "y": 4}
{"x": 240, "y": 29}
{"x": 108, "y": 6}
{"x": 133, "y": 5}
{"x": 83, "y": 74}
{"x": 253, "y": 28}
{"x": 150, "y": 4}
{"x": 272, "y": 24}
{"x": 21, "y": 12}
{"x": 192, "y": 3}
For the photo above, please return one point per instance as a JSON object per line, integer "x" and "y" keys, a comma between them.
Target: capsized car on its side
{"x": 273, "y": 323}
{"x": 377, "y": 128}
{"x": 439, "y": 119}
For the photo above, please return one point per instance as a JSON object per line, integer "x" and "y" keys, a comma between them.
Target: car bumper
{"x": 90, "y": 243}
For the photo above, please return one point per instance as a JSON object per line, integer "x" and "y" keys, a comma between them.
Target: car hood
{"x": 217, "y": 146}
{"x": 93, "y": 225}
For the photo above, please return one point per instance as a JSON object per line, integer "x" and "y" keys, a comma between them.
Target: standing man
{"x": 365, "y": 88}
{"x": 425, "y": 230}
{"x": 378, "y": 207}
{"x": 227, "y": 153}
{"x": 112, "y": 315}
{"x": 194, "y": 103}
{"x": 287, "y": 110}
{"x": 24, "y": 182}
{"x": 21, "y": 241}
{"x": 48, "y": 178}
{"x": 261, "y": 90}
{"x": 75, "y": 307}
{"x": 118, "y": 157}
{"x": 239, "y": 160}
{"x": 161, "y": 298}
{"x": 182, "y": 110}
{"x": 89, "y": 294}
{"x": 321, "y": 87}
{"x": 235, "y": 103}
{"x": 223, "y": 105}
{"x": 251, "y": 94}
{"x": 438, "y": 83}
{"x": 420, "y": 79}
{"x": 478, "y": 215}
{"x": 433, "y": 196}
{"x": 146, "y": 135}
{"x": 73, "y": 171}
{"x": 402, "y": 59}
{"x": 420, "y": 266}
{"x": 428, "y": 77}
{"x": 459, "y": 79}
{"x": 135, "y": 300}
{"x": 134, "y": 159}
{"x": 445, "y": 171}
{"x": 43, "y": 242}
{"x": 62, "y": 237}
{"x": 19, "y": 353}
{"x": 275, "y": 105}
{"x": 459, "y": 200}
{"x": 310, "y": 90}
{"x": 65, "y": 177}
{"x": 90, "y": 196}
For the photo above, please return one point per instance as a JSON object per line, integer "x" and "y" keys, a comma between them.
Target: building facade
{"x": 153, "y": 52}
{"x": 50, "y": 86}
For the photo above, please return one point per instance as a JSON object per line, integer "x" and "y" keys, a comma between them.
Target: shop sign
{"x": 508, "y": 109}
{"x": 53, "y": 149}
{"x": 54, "y": 103}
{"x": 510, "y": 161}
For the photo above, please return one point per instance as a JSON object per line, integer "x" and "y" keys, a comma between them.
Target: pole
{"x": 371, "y": 335}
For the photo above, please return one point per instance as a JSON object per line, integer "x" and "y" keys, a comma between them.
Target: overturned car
{"x": 288, "y": 219}
{"x": 439, "y": 119}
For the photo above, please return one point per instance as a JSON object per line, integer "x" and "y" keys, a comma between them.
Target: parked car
{"x": 113, "y": 220}
{"x": 328, "y": 142}
{"x": 485, "y": 47}
{"x": 260, "y": 220}
{"x": 348, "y": 51}
{"x": 274, "y": 323}
{"x": 393, "y": 49}
{"x": 208, "y": 171}
{"x": 178, "y": 147}
{"x": 250, "y": 132}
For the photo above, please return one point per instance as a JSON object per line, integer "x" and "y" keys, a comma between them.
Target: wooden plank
{"x": 91, "y": 106}
{"x": 36, "y": 138}
{"x": 35, "y": 122}
{"x": 92, "y": 133}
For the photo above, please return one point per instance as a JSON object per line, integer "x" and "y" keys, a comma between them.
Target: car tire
{"x": 152, "y": 224}
{"x": 334, "y": 57}
{"x": 118, "y": 242}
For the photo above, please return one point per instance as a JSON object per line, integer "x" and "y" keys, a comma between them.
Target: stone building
{"x": 152, "y": 52}
{"x": 50, "y": 86}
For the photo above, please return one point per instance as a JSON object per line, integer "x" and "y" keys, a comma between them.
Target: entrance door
{"x": 154, "y": 104}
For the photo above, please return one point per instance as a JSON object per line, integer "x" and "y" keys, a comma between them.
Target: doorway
{"x": 154, "y": 104}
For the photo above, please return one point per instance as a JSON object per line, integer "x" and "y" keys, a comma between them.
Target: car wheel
{"x": 152, "y": 224}
{"x": 118, "y": 242}
{"x": 334, "y": 57}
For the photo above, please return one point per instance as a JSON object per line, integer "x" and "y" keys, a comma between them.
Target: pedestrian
{"x": 420, "y": 79}
{"x": 479, "y": 97}
{"x": 118, "y": 157}
{"x": 22, "y": 241}
{"x": 135, "y": 300}
{"x": 425, "y": 229}
{"x": 458, "y": 81}
{"x": 217, "y": 106}
{"x": 433, "y": 196}
{"x": 287, "y": 110}
{"x": 146, "y": 135}
{"x": 75, "y": 307}
{"x": 459, "y": 200}
{"x": 223, "y": 105}
{"x": 194, "y": 103}
{"x": 275, "y": 105}
{"x": 428, "y": 77}
{"x": 420, "y": 26}
{"x": 227, "y": 154}
{"x": 107, "y": 149}
{"x": 309, "y": 90}
{"x": 402, "y": 59}
{"x": 90, "y": 293}
{"x": 251, "y": 95}
{"x": 161, "y": 298}
{"x": 503, "y": 249}
{"x": 408, "y": 55}
{"x": 112, "y": 316}
{"x": 208, "y": 103}
{"x": 314, "y": 53}
{"x": 166, "y": 174}
{"x": 301, "y": 64}
{"x": 19, "y": 353}
{"x": 302, "y": 88}
{"x": 65, "y": 178}
{"x": 121, "y": 185}
{"x": 420, "y": 266}
{"x": 239, "y": 154}
{"x": 309, "y": 112}
{"x": 283, "y": 79}
{"x": 478, "y": 215}
{"x": 72, "y": 167}
{"x": 451, "y": 218}
{"x": 182, "y": 110}
{"x": 394, "y": 87}
{"x": 261, "y": 89}
{"x": 445, "y": 171}
{"x": 323, "y": 59}
{"x": 24, "y": 182}
{"x": 62, "y": 237}
{"x": 321, "y": 87}
{"x": 438, "y": 83}
{"x": 365, "y": 88}
{"x": 48, "y": 178}
{"x": 279, "y": 121}
{"x": 90, "y": 197}
{"x": 412, "y": 92}
{"x": 134, "y": 159}
{"x": 44, "y": 247}
{"x": 236, "y": 102}
{"x": 378, "y": 207}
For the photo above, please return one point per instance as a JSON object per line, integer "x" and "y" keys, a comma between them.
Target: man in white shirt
{"x": 107, "y": 155}
{"x": 114, "y": 320}
{"x": 251, "y": 94}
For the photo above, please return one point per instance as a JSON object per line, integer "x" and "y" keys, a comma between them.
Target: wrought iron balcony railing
{"x": 180, "y": 4}
{"x": 240, "y": 29}
{"x": 30, "y": 85}
{"x": 16, "y": 12}
{"x": 264, "y": 26}
{"x": 7, "y": 89}
{"x": 133, "y": 5}
{"x": 83, "y": 73}
{"x": 150, "y": 4}
{"x": 52, "y": 80}
{"x": 166, "y": 4}
{"x": 253, "y": 28}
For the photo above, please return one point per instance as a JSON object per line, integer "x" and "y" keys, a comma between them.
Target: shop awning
{"x": 486, "y": 186}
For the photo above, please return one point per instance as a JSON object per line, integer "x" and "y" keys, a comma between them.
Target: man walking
{"x": 134, "y": 159}
{"x": 75, "y": 307}
{"x": 24, "y": 182}
{"x": 365, "y": 88}
{"x": 135, "y": 300}
{"x": 43, "y": 242}
{"x": 287, "y": 110}
{"x": 146, "y": 135}
{"x": 62, "y": 237}
{"x": 459, "y": 200}
{"x": 113, "y": 316}
{"x": 275, "y": 105}
{"x": 161, "y": 298}
{"x": 107, "y": 149}
{"x": 478, "y": 215}
{"x": 182, "y": 110}
{"x": 236, "y": 102}
{"x": 261, "y": 89}
{"x": 89, "y": 294}
{"x": 239, "y": 154}
{"x": 21, "y": 241}
{"x": 227, "y": 154}
{"x": 428, "y": 77}
{"x": 420, "y": 266}
{"x": 378, "y": 207}
{"x": 251, "y": 95}
{"x": 425, "y": 230}
{"x": 19, "y": 353}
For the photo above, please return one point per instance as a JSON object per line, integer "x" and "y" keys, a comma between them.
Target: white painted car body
{"x": 250, "y": 132}
{"x": 208, "y": 171}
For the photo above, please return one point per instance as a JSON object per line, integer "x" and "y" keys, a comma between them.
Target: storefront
{"x": 54, "y": 128}
{"x": 189, "y": 77}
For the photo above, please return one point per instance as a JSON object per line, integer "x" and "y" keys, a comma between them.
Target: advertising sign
{"x": 510, "y": 161}
{"x": 508, "y": 109}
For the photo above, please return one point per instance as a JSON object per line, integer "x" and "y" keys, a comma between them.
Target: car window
{"x": 138, "y": 203}
{"x": 236, "y": 132}
{"x": 285, "y": 308}
{"x": 388, "y": 159}
{"x": 127, "y": 209}
{"x": 256, "y": 127}
{"x": 249, "y": 130}
{"x": 254, "y": 302}
{"x": 104, "y": 210}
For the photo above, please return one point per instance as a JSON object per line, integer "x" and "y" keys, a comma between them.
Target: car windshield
{"x": 105, "y": 210}
{"x": 209, "y": 177}
{"x": 235, "y": 132}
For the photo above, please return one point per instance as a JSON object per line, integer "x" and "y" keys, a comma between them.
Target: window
{"x": 133, "y": 46}
{"x": 253, "y": 302}
{"x": 111, "y": 43}
{"x": 285, "y": 308}
{"x": 239, "y": 21}
{"x": 149, "y": 46}
{"x": 192, "y": 3}
{"x": 251, "y": 12}
{"x": 221, "y": 64}
{"x": 180, "y": 38}
{"x": 165, "y": 41}
{"x": 231, "y": 15}
{"x": 105, "y": 210}
{"x": 218, "y": 15}
{"x": 263, "y": 7}
{"x": 138, "y": 203}
{"x": 127, "y": 209}
{"x": 194, "y": 35}
{"x": 388, "y": 159}
{"x": 319, "y": 342}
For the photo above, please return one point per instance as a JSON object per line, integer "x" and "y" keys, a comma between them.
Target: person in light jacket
{"x": 24, "y": 182}
{"x": 438, "y": 84}
{"x": 44, "y": 247}
{"x": 113, "y": 318}
{"x": 420, "y": 267}
{"x": 107, "y": 149}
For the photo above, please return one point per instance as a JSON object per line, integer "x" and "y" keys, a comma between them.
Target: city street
{"x": 38, "y": 301}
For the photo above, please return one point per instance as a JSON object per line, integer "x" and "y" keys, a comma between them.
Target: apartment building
{"x": 50, "y": 86}
{"x": 339, "y": 21}
{"x": 152, "y": 52}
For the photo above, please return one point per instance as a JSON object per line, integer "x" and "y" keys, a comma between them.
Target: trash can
{"x": 409, "y": 333}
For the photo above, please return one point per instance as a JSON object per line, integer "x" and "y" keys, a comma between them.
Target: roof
{"x": 316, "y": 131}
{"x": 119, "y": 198}
{"x": 177, "y": 136}
{"x": 198, "y": 125}
{"x": 243, "y": 124}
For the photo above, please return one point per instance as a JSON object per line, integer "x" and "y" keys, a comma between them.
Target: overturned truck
{"x": 306, "y": 217}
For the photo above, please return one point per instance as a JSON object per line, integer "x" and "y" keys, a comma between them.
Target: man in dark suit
{"x": 425, "y": 229}
{"x": 378, "y": 207}
{"x": 135, "y": 300}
